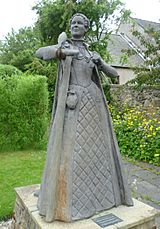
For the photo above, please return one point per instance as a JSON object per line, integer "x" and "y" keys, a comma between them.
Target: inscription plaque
{"x": 107, "y": 220}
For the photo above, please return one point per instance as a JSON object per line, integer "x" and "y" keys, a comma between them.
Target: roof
{"x": 147, "y": 24}
{"x": 124, "y": 40}
{"x": 116, "y": 44}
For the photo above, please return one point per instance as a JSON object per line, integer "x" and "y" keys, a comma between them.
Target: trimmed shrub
{"x": 8, "y": 70}
{"x": 48, "y": 69}
{"x": 23, "y": 112}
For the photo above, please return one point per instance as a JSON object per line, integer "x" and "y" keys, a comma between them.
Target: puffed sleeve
{"x": 47, "y": 53}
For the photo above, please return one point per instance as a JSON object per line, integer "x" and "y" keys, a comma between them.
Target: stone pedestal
{"x": 140, "y": 216}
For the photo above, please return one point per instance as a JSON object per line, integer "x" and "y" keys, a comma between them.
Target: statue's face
{"x": 78, "y": 28}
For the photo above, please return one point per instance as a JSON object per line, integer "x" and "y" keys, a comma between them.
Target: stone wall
{"x": 148, "y": 96}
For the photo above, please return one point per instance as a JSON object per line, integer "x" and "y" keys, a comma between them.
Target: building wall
{"x": 125, "y": 74}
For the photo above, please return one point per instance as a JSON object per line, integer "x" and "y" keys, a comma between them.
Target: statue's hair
{"x": 86, "y": 20}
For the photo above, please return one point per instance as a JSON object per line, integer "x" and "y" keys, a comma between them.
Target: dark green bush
{"x": 145, "y": 78}
{"x": 48, "y": 69}
{"x": 8, "y": 70}
{"x": 23, "y": 112}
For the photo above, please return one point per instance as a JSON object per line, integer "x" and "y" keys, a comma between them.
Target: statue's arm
{"x": 47, "y": 53}
{"x": 54, "y": 51}
{"x": 107, "y": 69}
{"x": 102, "y": 66}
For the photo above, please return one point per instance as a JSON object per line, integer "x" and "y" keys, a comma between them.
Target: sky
{"x": 18, "y": 13}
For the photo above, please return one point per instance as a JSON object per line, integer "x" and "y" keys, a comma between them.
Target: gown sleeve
{"x": 107, "y": 69}
{"x": 103, "y": 66}
{"x": 47, "y": 53}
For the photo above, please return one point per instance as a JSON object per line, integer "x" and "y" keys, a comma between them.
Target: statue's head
{"x": 79, "y": 25}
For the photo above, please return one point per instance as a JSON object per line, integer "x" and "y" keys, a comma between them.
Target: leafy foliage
{"x": 19, "y": 48}
{"x": 8, "y": 70}
{"x": 23, "y": 112}
{"x": 48, "y": 69}
{"x": 54, "y": 16}
{"x": 149, "y": 73}
{"x": 151, "y": 45}
{"x": 138, "y": 133}
{"x": 146, "y": 77}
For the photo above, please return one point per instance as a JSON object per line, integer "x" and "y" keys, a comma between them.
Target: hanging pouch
{"x": 72, "y": 99}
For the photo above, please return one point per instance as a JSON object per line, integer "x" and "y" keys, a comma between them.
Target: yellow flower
{"x": 151, "y": 128}
{"x": 149, "y": 135}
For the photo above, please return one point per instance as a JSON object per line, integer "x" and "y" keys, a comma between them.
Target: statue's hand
{"x": 96, "y": 58}
{"x": 70, "y": 52}
{"x": 62, "y": 53}
{"x": 40, "y": 53}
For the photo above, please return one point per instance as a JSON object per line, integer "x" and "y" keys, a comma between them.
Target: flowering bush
{"x": 138, "y": 133}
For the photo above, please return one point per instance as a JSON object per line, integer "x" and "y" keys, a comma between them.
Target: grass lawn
{"x": 17, "y": 169}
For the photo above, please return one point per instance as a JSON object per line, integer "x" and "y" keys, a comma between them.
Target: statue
{"x": 83, "y": 173}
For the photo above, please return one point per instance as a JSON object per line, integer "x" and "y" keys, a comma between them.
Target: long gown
{"x": 87, "y": 176}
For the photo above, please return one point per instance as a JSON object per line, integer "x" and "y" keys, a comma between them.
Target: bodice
{"x": 82, "y": 67}
{"x": 81, "y": 72}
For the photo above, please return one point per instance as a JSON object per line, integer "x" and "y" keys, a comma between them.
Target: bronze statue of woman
{"x": 83, "y": 171}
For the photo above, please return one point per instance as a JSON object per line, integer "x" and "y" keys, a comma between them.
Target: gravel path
{"x": 144, "y": 180}
{"x": 5, "y": 225}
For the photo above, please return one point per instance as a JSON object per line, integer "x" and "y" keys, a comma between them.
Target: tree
{"x": 149, "y": 73}
{"x": 19, "y": 50}
{"x": 54, "y": 16}
{"x": 19, "y": 47}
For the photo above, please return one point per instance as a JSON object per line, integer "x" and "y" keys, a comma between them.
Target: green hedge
{"x": 8, "y": 70}
{"x": 23, "y": 112}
